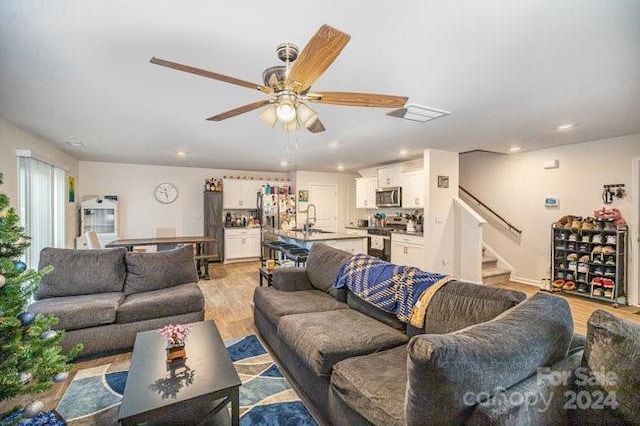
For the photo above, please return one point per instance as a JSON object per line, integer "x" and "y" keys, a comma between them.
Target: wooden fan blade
{"x": 239, "y": 110}
{"x": 316, "y": 126}
{"x": 358, "y": 99}
{"x": 323, "y": 48}
{"x": 210, "y": 74}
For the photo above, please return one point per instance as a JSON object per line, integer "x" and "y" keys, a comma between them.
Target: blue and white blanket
{"x": 390, "y": 287}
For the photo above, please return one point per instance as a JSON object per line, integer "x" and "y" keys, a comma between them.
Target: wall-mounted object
{"x": 443, "y": 181}
{"x": 612, "y": 190}
{"x": 551, "y": 164}
{"x": 551, "y": 201}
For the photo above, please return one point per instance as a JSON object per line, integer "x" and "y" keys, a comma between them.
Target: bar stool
{"x": 273, "y": 247}
{"x": 283, "y": 248}
{"x": 299, "y": 255}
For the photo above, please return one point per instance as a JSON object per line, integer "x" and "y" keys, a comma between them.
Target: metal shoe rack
{"x": 594, "y": 259}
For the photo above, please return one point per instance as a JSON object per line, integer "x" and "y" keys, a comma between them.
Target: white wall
{"x": 140, "y": 214}
{"x": 515, "y": 186}
{"x": 439, "y": 215}
{"x": 13, "y": 138}
{"x": 303, "y": 179}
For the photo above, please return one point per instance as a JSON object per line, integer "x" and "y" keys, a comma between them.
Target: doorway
{"x": 325, "y": 198}
{"x": 634, "y": 227}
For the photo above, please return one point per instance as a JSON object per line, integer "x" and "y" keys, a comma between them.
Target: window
{"x": 42, "y": 206}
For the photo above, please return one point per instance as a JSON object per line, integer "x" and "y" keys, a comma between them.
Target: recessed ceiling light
{"x": 340, "y": 167}
{"x": 334, "y": 145}
{"x": 284, "y": 163}
{"x": 75, "y": 144}
{"x": 403, "y": 153}
{"x": 515, "y": 149}
{"x": 181, "y": 154}
{"x": 566, "y": 127}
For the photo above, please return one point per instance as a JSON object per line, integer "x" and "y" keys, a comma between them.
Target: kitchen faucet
{"x": 307, "y": 223}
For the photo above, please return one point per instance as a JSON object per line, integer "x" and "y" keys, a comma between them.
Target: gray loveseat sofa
{"x": 357, "y": 364}
{"x": 104, "y": 297}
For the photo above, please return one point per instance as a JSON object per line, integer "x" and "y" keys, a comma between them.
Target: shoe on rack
{"x": 599, "y": 225}
{"x": 596, "y": 281}
{"x": 609, "y": 225}
{"x": 610, "y": 260}
{"x": 585, "y": 238}
{"x": 611, "y": 239}
{"x": 569, "y": 285}
{"x": 577, "y": 223}
{"x": 597, "y": 259}
{"x": 584, "y": 248}
{"x": 608, "y": 250}
{"x": 598, "y": 292}
{"x": 598, "y": 271}
{"x": 588, "y": 224}
{"x": 584, "y": 259}
{"x": 583, "y": 268}
{"x": 573, "y": 237}
{"x": 558, "y": 283}
{"x": 571, "y": 246}
{"x": 560, "y": 275}
{"x": 597, "y": 239}
{"x": 609, "y": 272}
{"x": 597, "y": 250}
{"x": 608, "y": 283}
{"x": 583, "y": 288}
{"x": 608, "y": 293}
{"x": 569, "y": 276}
{"x": 572, "y": 256}
{"x": 573, "y": 266}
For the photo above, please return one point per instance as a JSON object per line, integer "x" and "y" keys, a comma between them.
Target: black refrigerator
{"x": 213, "y": 226}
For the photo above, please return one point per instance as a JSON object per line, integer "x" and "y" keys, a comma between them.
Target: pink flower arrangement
{"x": 175, "y": 334}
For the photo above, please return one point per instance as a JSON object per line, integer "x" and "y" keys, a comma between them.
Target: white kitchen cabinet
{"x": 241, "y": 243}
{"x": 389, "y": 176}
{"x": 353, "y": 246}
{"x": 413, "y": 189}
{"x": 240, "y": 194}
{"x": 366, "y": 192}
{"x": 408, "y": 250}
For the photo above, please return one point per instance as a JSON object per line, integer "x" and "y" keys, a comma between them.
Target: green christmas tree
{"x": 31, "y": 357}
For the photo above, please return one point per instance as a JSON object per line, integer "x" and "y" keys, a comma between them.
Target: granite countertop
{"x": 419, "y": 234}
{"x": 364, "y": 228}
{"x": 315, "y": 236}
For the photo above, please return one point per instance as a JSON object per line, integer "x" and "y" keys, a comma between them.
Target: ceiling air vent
{"x": 413, "y": 112}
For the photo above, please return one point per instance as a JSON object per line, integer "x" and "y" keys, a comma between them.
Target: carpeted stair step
{"x": 489, "y": 262}
{"x": 493, "y": 275}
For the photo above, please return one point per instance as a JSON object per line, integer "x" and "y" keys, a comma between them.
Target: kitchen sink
{"x": 310, "y": 231}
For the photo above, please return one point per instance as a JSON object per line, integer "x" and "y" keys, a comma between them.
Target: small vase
{"x": 175, "y": 352}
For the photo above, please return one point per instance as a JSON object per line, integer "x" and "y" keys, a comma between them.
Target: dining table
{"x": 202, "y": 259}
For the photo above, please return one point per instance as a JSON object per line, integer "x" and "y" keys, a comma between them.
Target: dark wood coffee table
{"x": 193, "y": 391}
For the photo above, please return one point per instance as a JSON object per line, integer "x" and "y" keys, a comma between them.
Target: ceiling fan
{"x": 288, "y": 86}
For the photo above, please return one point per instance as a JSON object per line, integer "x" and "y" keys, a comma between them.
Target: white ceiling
{"x": 509, "y": 71}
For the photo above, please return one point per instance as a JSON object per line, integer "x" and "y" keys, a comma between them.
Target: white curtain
{"x": 42, "y": 198}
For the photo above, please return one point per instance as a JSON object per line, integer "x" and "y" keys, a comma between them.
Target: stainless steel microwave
{"x": 389, "y": 197}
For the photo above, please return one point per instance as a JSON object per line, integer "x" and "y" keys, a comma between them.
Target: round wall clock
{"x": 165, "y": 193}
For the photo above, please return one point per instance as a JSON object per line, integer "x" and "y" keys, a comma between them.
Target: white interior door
{"x": 325, "y": 198}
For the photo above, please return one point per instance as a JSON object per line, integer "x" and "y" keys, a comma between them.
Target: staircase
{"x": 491, "y": 272}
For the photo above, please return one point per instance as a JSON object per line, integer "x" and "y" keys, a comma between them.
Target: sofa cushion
{"x": 458, "y": 305}
{"x": 323, "y": 264}
{"x": 181, "y": 299}
{"x": 322, "y": 339}
{"x": 76, "y": 312}
{"x": 78, "y": 272}
{"x": 153, "y": 271}
{"x": 374, "y": 385}
{"x": 448, "y": 373}
{"x": 275, "y": 304}
{"x": 610, "y": 367}
{"x": 367, "y": 308}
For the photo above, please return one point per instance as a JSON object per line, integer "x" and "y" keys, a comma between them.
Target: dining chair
{"x": 165, "y": 232}
{"x": 93, "y": 243}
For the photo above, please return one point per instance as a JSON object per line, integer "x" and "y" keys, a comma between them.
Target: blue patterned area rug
{"x": 266, "y": 397}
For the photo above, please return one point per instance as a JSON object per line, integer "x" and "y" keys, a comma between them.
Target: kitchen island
{"x": 354, "y": 244}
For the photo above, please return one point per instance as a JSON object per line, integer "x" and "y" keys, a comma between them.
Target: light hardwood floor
{"x": 228, "y": 301}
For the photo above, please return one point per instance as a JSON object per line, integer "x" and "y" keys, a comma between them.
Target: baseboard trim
{"x": 527, "y": 281}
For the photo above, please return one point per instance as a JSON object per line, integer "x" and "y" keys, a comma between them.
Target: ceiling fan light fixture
{"x": 306, "y": 116}
{"x": 268, "y": 116}
{"x": 291, "y": 126}
{"x": 286, "y": 110}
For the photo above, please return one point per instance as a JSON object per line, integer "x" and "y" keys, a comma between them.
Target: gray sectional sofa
{"x": 358, "y": 365}
{"x": 103, "y": 298}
